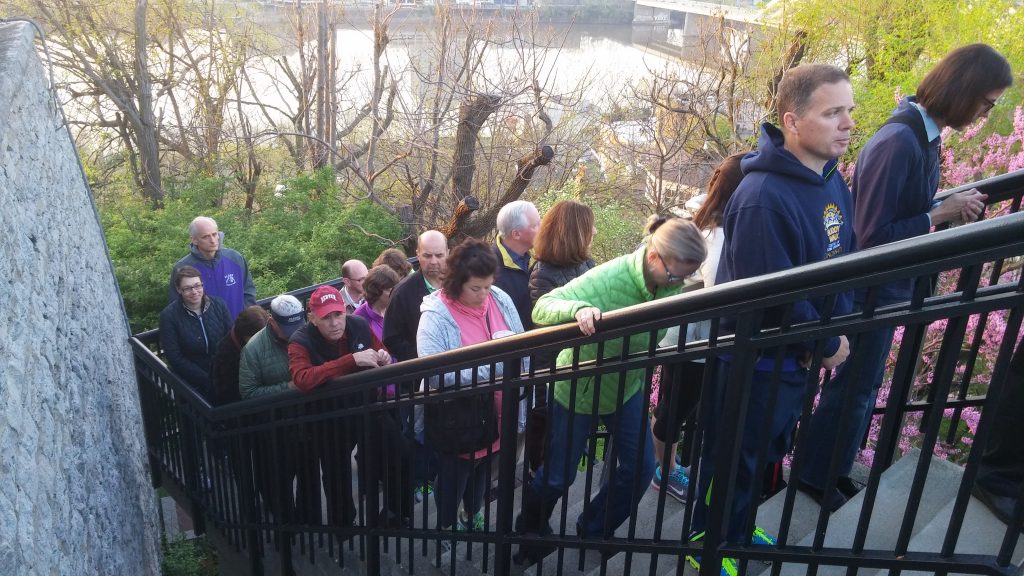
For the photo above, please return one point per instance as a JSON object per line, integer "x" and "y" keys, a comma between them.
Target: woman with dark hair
{"x": 379, "y": 282}
{"x": 679, "y": 389}
{"x": 562, "y": 247}
{"x": 225, "y": 364}
{"x": 562, "y": 253}
{"x": 191, "y": 327}
{"x": 671, "y": 252}
{"x": 394, "y": 259}
{"x": 964, "y": 85}
{"x": 468, "y": 309}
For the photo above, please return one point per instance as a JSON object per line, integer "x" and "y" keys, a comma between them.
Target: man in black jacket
{"x": 403, "y": 314}
{"x": 402, "y": 319}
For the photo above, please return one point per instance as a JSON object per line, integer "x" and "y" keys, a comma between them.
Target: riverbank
{"x": 604, "y": 13}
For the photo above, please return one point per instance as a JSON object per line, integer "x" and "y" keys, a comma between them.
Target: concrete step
{"x": 980, "y": 533}
{"x": 887, "y": 515}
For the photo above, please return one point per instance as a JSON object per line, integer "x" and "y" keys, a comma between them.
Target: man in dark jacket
{"x": 331, "y": 345}
{"x": 518, "y": 223}
{"x": 895, "y": 182}
{"x": 402, "y": 318}
{"x": 792, "y": 208}
{"x": 225, "y": 272}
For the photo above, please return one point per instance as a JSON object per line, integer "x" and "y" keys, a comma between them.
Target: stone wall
{"x": 74, "y": 485}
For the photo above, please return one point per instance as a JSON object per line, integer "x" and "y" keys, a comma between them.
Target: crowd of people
{"x": 778, "y": 207}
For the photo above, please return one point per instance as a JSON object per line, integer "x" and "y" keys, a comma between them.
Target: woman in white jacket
{"x": 467, "y": 310}
{"x": 679, "y": 390}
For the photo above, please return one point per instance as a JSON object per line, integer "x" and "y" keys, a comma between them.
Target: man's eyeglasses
{"x": 988, "y": 105}
{"x": 192, "y": 288}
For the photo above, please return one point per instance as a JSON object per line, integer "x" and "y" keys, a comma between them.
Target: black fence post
{"x": 507, "y": 465}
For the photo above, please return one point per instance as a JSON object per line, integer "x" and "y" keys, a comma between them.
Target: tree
{"x": 674, "y": 125}
{"x": 103, "y": 50}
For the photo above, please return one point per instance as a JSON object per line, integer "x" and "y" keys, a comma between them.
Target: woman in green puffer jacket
{"x": 672, "y": 251}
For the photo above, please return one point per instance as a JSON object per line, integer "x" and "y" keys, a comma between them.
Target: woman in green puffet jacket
{"x": 672, "y": 251}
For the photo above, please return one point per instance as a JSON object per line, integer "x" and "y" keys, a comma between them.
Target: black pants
{"x": 1002, "y": 464}
{"x": 389, "y": 455}
{"x": 678, "y": 397}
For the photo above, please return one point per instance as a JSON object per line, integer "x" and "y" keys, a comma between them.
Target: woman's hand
{"x": 587, "y": 319}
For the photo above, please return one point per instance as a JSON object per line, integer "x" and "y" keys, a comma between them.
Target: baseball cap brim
{"x": 289, "y": 324}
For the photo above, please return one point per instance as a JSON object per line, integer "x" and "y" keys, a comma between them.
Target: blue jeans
{"x": 783, "y": 420}
{"x": 569, "y": 433}
{"x": 861, "y": 375}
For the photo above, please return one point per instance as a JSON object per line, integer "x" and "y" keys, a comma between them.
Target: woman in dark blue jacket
{"x": 191, "y": 327}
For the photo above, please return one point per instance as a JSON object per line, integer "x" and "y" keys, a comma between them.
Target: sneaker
{"x": 447, "y": 543}
{"x": 678, "y": 483}
{"x": 831, "y": 502}
{"x": 762, "y": 538}
{"x": 476, "y": 524}
{"x": 729, "y": 565}
{"x": 422, "y": 491}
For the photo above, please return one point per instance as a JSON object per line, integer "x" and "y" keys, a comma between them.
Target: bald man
{"x": 225, "y": 272}
{"x": 353, "y": 273}
{"x": 403, "y": 314}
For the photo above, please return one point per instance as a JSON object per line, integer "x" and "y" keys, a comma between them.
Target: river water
{"x": 589, "y": 65}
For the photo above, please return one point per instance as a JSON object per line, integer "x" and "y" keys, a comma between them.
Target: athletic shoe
{"x": 422, "y": 491}
{"x": 729, "y": 565}
{"x": 476, "y": 524}
{"x": 446, "y": 543}
{"x": 762, "y": 538}
{"x": 678, "y": 483}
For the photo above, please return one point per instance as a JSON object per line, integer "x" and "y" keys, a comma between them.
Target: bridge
{"x": 658, "y": 11}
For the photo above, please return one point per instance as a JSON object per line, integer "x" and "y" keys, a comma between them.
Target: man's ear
{"x": 789, "y": 120}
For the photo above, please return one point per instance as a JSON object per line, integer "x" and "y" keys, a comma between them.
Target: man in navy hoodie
{"x": 894, "y": 185}
{"x": 792, "y": 208}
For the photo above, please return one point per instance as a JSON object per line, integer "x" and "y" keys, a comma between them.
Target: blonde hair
{"x": 675, "y": 238}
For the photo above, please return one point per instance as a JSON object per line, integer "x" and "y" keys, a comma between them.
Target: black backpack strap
{"x": 916, "y": 124}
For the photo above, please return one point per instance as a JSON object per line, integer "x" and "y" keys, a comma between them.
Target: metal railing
{"x": 250, "y": 468}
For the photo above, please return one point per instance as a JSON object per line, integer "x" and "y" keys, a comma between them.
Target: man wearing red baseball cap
{"x": 334, "y": 344}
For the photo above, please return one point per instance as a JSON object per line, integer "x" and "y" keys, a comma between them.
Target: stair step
{"x": 888, "y": 513}
{"x": 980, "y": 533}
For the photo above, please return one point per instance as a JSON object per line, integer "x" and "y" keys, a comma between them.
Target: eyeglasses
{"x": 988, "y": 105}
{"x": 672, "y": 278}
{"x": 192, "y": 288}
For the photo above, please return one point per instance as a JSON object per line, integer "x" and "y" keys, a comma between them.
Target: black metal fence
{"x": 277, "y": 476}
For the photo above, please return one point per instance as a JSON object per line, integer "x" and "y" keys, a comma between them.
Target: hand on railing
{"x": 840, "y": 355}
{"x": 586, "y": 318}
{"x": 959, "y": 208}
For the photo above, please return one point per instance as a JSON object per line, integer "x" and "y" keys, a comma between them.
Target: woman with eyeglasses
{"x": 671, "y": 252}
{"x": 191, "y": 327}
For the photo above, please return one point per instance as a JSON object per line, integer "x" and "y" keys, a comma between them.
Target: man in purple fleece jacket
{"x": 225, "y": 272}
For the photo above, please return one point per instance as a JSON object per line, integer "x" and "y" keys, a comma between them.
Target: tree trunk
{"x": 472, "y": 116}
{"x": 149, "y": 151}
{"x": 797, "y": 49}
{"x": 466, "y": 206}
{"x": 484, "y": 221}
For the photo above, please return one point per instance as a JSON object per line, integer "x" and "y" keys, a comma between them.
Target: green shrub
{"x": 291, "y": 241}
{"x": 194, "y": 557}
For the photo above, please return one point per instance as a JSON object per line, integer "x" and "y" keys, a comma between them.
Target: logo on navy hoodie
{"x": 833, "y": 221}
